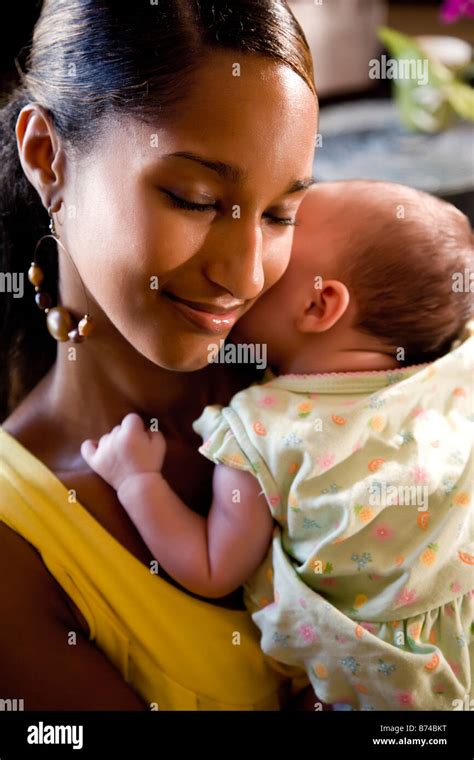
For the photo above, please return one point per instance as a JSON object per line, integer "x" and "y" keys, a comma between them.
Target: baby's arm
{"x": 209, "y": 556}
{"x": 212, "y": 556}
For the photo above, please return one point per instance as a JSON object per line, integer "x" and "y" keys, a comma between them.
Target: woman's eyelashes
{"x": 189, "y": 205}
{"x": 202, "y": 207}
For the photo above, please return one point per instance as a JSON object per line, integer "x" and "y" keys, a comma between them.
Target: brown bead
{"x": 35, "y": 274}
{"x": 75, "y": 336}
{"x": 85, "y": 326}
{"x": 43, "y": 300}
{"x": 59, "y": 323}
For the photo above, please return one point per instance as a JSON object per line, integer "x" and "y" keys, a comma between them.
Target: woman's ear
{"x": 39, "y": 151}
{"x": 327, "y": 305}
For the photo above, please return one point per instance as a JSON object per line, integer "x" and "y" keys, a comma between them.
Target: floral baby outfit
{"x": 367, "y": 584}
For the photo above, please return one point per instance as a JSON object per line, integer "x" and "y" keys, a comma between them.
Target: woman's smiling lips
{"x": 213, "y": 318}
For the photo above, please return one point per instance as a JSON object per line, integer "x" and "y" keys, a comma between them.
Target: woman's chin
{"x": 181, "y": 356}
{"x": 182, "y": 363}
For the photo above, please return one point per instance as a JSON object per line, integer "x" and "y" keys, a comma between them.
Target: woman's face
{"x": 152, "y": 230}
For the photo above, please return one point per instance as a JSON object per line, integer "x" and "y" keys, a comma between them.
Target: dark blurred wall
{"x": 16, "y": 26}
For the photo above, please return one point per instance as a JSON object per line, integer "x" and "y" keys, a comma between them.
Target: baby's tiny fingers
{"x": 88, "y": 449}
{"x": 103, "y": 440}
{"x": 132, "y": 423}
{"x": 158, "y": 442}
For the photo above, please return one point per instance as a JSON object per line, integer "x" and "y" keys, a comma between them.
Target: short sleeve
{"x": 226, "y": 441}
{"x": 219, "y": 442}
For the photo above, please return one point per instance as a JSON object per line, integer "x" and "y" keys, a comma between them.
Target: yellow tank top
{"x": 176, "y": 652}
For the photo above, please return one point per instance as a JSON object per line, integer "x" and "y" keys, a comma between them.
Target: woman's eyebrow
{"x": 232, "y": 173}
{"x": 300, "y": 184}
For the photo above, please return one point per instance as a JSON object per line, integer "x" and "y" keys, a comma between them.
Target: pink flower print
{"x": 329, "y": 582}
{"x": 383, "y": 532}
{"x": 370, "y": 627}
{"x": 326, "y": 461}
{"x": 406, "y": 596}
{"x": 456, "y": 587}
{"x": 349, "y": 402}
{"x": 404, "y": 698}
{"x": 274, "y": 500}
{"x": 313, "y": 396}
{"x": 454, "y": 667}
{"x": 268, "y": 401}
{"x": 419, "y": 412}
{"x": 419, "y": 475}
{"x": 302, "y": 603}
{"x": 307, "y": 633}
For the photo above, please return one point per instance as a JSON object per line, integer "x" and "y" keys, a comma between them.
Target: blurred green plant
{"x": 430, "y": 106}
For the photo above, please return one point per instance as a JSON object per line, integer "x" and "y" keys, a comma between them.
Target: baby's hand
{"x": 129, "y": 449}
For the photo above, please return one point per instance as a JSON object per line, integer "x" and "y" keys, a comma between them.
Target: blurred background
{"x": 372, "y": 126}
{"x": 398, "y": 130}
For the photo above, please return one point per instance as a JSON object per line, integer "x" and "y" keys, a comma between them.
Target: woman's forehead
{"x": 236, "y": 157}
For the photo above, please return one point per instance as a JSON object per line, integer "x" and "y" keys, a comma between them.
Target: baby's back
{"x": 369, "y": 476}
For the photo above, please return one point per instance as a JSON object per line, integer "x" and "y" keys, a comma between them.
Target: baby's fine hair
{"x": 410, "y": 269}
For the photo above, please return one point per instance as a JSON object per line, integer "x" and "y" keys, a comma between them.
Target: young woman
{"x": 171, "y": 145}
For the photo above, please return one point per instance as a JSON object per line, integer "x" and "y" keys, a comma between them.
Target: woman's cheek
{"x": 172, "y": 239}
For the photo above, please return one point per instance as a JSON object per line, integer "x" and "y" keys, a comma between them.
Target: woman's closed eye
{"x": 203, "y": 207}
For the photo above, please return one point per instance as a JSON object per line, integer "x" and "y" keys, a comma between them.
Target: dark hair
{"x": 91, "y": 58}
{"x": 407, "y": 258}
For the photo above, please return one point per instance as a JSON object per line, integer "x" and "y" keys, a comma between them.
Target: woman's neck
{"x": 102, "y": 385}
{"x": 86, "y": 393}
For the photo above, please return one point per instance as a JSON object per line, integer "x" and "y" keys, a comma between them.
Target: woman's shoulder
{"x": 25, "y": 577}
{"x": 28, "y": 589}
{"x": 38, "y": 663}
{"x": 26, "y": 430}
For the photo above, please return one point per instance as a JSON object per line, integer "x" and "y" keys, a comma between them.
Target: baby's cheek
{"x": 277, "y": 265}
{"x": 248, "y": 327}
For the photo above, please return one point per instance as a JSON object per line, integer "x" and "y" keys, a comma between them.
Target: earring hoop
{"x": 59, "y": 321}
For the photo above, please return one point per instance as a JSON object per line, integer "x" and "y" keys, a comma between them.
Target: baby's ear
{"x": 324, "y": 308}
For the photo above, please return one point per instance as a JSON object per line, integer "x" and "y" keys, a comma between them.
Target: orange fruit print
{"x": 259, "y": 428}
{"x": 433, "y": 663}
{"x": 375, "y": 464}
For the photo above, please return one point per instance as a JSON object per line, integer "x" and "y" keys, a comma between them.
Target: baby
{"x": 342, "y": 491}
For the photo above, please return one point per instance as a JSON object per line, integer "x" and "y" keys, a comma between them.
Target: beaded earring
{"x": 60, "y": 323}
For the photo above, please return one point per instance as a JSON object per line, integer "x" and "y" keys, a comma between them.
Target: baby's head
{"x": 379, "y": 277}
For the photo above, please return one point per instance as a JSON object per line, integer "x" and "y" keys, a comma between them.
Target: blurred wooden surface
{"x": 426, "y": 20}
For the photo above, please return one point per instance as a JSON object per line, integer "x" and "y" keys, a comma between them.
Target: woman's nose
{"x": 235, "y": 260}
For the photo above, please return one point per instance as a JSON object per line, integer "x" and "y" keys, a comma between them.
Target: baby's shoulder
{"x": 265, "y": 399}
